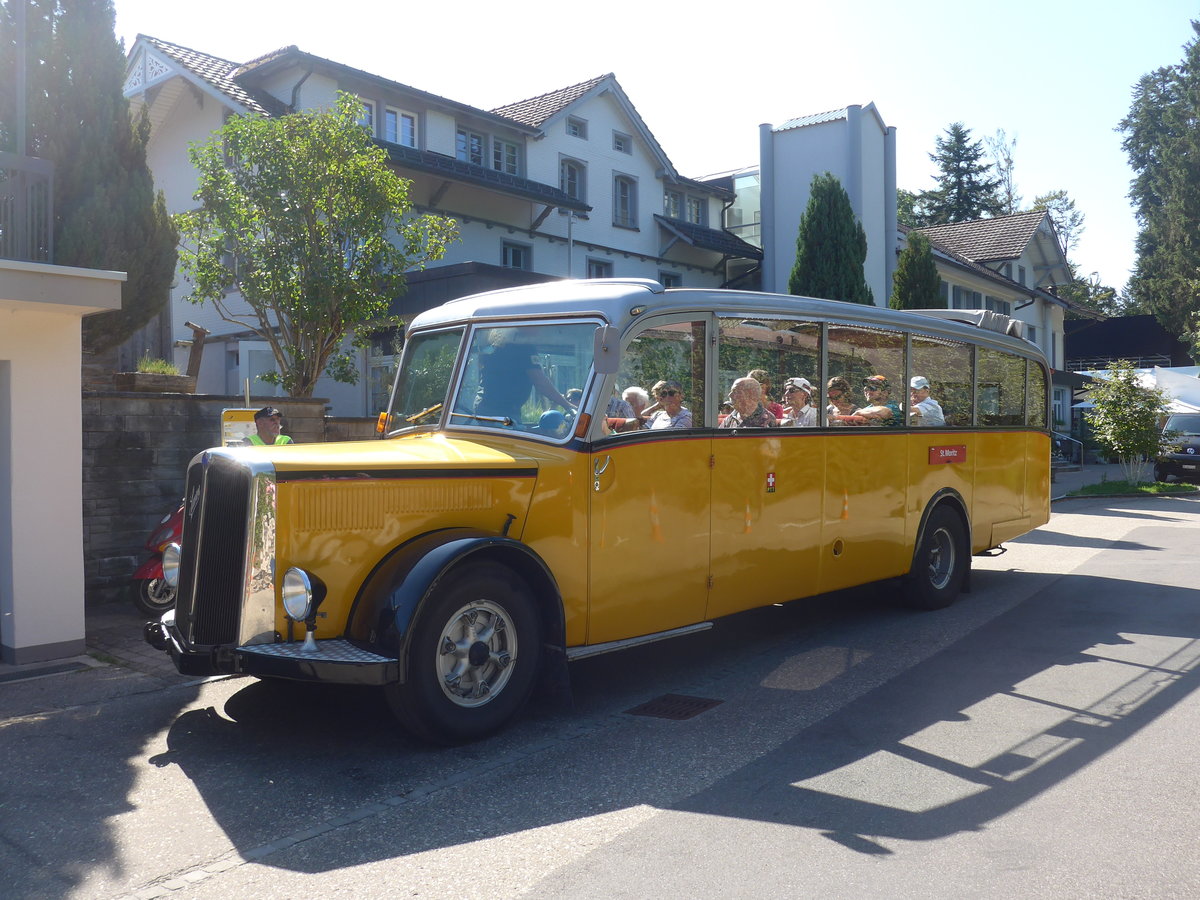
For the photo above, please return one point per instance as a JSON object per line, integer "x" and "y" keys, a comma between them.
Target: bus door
{"x": 648, "y": 539}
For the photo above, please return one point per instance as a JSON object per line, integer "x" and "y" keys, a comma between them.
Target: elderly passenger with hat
{"x": 924, "y": 409}
{"x": 798, "y": 411}
{"x": 267, "y": 422}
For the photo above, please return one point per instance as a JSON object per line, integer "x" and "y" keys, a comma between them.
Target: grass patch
{"x": 1115, "y": 488}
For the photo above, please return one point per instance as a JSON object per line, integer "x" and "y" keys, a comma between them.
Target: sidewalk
{"x": 1065, "y": 482}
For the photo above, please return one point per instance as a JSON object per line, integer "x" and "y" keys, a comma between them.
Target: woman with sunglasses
{"x": 879, "y": 410}
{"x": 668, "y": 411}
{"x": 799, "y": 413}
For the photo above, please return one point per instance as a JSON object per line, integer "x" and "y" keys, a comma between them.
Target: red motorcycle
{"x": 152, "y": 595}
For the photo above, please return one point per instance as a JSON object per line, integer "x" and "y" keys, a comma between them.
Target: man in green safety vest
{"x": 268, "y": 421}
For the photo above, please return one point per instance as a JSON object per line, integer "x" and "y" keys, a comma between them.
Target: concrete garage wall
{"x": 136, "y": 448}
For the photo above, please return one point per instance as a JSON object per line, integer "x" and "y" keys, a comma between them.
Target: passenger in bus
{"x": 637, "y": 398}
{"x": 879, "y": 409}
{"x": 668, "y": 411}
{"x": 773, "y": 406}
{"x": 746, "y": 395}
{"x": 840, "y": 401}
{"x": 924, "y": 409}
{"x": 618, "y": 415}
{"x": 506, "y": 373}
{"x": 574, "y": 395}
{"x": 799, "y": 413}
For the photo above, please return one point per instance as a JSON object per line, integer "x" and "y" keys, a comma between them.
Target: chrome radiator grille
{"x": 213, "y": 559}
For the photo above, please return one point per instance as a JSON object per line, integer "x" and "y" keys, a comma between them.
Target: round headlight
{"x": 170, "y": 564}
{"x": 297, "y": 594}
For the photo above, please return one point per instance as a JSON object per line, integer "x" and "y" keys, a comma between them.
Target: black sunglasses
{"x": 668, "y": 393}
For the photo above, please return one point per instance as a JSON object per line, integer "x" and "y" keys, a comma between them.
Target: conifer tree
{"x": 965, "y": 190}
{"x": 831, "y": 247}
{"x": 1163, "y": 145}
{"x": 916, "y": 284}
{"x": 106, "y": 214}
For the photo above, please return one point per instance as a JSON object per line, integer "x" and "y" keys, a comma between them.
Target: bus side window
{"x": 1001, "y": 388}
{"x": 946, "y": 365}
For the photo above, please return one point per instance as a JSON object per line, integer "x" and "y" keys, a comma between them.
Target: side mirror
{"x": 606, "y": 355}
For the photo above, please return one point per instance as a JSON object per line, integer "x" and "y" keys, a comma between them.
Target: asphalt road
{"x": 1034, "y": 740}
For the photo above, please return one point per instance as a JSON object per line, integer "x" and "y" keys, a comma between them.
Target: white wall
{"x": 41, "y": 456}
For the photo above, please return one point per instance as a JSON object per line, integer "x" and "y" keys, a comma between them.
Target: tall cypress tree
{"x": 106, "y": 213}
{"x": 916, "y": 284}
{"x": 964, "y": 191}
{"x": 831, "y": 247}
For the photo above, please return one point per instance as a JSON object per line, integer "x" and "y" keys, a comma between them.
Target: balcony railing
{"x": 26, "y": 201}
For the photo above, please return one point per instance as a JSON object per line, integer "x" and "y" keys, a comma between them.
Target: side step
{"x": 574, "y": 653}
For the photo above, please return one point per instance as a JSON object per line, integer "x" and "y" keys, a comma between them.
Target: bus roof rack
{"x": 980, "y": 318}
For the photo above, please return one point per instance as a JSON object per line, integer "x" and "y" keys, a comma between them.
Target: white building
{"x": 567, "y": 184}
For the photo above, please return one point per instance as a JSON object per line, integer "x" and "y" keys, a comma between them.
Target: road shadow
{"x": 318, "y": 778}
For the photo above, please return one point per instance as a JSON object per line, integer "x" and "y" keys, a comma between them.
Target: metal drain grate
{"x": 674, "y": 706}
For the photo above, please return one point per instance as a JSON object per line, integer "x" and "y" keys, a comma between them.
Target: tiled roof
{"x": 989, "y": 240}
{"x": 218, "y": 73}
{"x": 709, "y": 238}
{"x": 537, "y": 110}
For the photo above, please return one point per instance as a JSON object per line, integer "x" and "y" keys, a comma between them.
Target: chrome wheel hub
{"x": 476, "y": 652}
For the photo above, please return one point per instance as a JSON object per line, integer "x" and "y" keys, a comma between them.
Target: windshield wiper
{"x": 503, "y": 420}
{"x": 411, "y": 420}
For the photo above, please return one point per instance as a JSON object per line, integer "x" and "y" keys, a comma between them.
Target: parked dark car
{"x": 1183, "y": 458}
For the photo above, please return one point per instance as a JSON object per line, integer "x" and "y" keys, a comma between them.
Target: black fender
{"x": 952, "y": 498}
{"x": 391, "y": 599}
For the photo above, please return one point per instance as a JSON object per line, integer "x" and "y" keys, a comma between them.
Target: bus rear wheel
{"x": 472, "y": 658}
{"x": 940, "y": 564}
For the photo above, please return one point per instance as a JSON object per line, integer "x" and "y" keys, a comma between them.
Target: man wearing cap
{"x": 798, "y": 413}
{"x": 924, "y": 409}
{"x": 268, "y": 421}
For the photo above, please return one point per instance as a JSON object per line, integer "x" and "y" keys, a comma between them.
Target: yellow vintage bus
{"x": 518, "y": 513}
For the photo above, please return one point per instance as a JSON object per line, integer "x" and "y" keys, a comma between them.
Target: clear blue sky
{"x": 1054, "y": 74}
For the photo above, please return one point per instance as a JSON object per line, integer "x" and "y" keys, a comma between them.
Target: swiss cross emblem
{"x": 770, "y": 482}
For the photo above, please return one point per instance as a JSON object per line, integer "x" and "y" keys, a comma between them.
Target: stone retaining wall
{"x": 136, "y": 448}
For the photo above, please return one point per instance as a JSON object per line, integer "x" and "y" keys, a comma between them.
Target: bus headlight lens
{"x": 170, "y": 564}
{"x": 297, "y": 594}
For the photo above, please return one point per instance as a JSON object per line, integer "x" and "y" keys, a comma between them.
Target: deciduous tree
{"x": 1124, "y": 419}
{"x": 1001, "y": 149}
{"x": 831, "y": 247}
{"x": 1068, "y": 221}
{"x": 301, "y": 216}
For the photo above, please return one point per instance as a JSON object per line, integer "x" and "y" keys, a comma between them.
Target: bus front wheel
{"x": 473, "y": 656}
{"x": 940, "y": 564}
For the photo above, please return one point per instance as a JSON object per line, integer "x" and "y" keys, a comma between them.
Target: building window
{"x": 577, "y": 127}
{"x": 506, "y": 157}
{"x": 368, "y": 116}
{"x": 599, "y": 268}
{"x": 1031, "y": 332}
{"x": 673, "y": 204}
{"x": 670, "y": 279}
{"x": 997, "y": 305}
{"x": 516, "y": 256}
{"x": 622, "y": 143}
{"x": 624, "y": 201}
{"x": 697, "y": 211}
{"x": 572, "y": 179}
{"x": 1007, "y": 271}
{"x": 400, "y": 127}
{"x": 468, "y": 146}
{"x": 1021, "y": 274}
